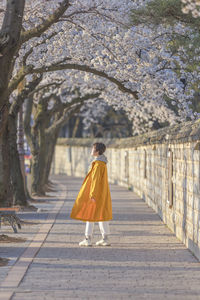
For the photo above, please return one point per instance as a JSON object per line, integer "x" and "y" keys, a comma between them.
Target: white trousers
{"x": 103, "y": 226}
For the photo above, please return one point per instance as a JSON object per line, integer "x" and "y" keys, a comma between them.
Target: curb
{"x": 19, "y": 269}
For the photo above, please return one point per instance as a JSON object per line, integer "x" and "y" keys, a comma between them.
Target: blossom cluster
{"x": 192, "y": 6}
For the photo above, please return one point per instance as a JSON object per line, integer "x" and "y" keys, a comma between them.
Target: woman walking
{"x": 93, "y": 203}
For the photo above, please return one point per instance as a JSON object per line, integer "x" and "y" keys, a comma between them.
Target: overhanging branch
{"x": 85, "y": 68}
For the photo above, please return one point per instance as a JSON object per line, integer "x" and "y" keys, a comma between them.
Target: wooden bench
{"x": 9, "y": 214}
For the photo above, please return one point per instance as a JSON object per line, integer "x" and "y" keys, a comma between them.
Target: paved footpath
{"x": 145, "y": 261}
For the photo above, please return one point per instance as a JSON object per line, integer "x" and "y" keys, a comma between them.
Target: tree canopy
{"x": 95, "y": 45}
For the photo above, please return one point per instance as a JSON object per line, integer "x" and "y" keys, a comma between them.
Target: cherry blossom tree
{"x": 20, "y": 192}
{"x": 9, "y": 41}
{"x": 50, "y": 111}
{"x": 183, "y": 43}
{"x": 108, "y": 42}
{"x": 106, "y": 57}
{"x": 142, "y": 82}
{"x": 12, "y": 36}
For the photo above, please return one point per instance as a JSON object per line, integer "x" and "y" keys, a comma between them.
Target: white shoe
{"x": 86, "y": 242}
{"x": 103, "y": 242}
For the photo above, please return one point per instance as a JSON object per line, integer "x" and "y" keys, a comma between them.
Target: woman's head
{"x": 98, "y": 149}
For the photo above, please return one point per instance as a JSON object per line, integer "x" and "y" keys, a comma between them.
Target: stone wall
{"x": 162, "y": 167}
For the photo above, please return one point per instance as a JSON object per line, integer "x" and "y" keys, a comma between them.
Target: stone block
{"x": 196, "y": 170}
{"x": 189, "y": 230}
{"x": 196, "y": 202}
{"x": 190, "y": 199}
{"x": 179, "y": 207}
{"x": 196, "y": 155}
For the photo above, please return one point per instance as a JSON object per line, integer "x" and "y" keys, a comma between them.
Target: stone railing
{"x": 162, "y": 167}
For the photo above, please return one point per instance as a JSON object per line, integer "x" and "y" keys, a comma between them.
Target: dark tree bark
{"x": 20, "y": 192}
{"x": 36, "y": 140}
{"x": 51, "y": 143}
{"x": 18, "y": 185}
{"x": 42, "y": 146}
{"x": 76, "y": 125}
{"x": 5, "y": 185}
{"x": 9, "y": 44}
{"x": 38, "y": 164}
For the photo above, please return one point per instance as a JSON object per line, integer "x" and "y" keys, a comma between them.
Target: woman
{"x": 93, "y": 203}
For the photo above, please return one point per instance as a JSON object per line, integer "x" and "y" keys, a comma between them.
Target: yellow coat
{"x": 95, "y": 185}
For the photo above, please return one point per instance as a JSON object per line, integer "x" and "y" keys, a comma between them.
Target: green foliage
{"x": 163, "y": 12}
{"x": 169, "y": 13}
{"x": 196, "y": 102}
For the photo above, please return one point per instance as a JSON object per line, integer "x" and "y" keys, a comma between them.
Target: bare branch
{"x": 46, "y": 86}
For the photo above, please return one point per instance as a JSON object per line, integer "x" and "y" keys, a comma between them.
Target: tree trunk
{"x": 41, "y": 163}
{"x": 20, "y": 147}
{"x": 76, "y": 125}
{"x": 38, "y": 164}
{"x": 1, "y": 171}
{"x": 35, "y": 174}
{"x": 19, "y": 194}
{"x": 51, "y": 143}
{"x": 9, "y": 43}
{"x": 5, "y": 184}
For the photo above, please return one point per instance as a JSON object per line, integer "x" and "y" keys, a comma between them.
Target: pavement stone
{"x": 145, "y": 259}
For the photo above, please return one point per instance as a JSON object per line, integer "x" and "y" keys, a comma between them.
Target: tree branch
{"x": 23, "y": 71}
{"x": 70, "y": 106}
{"x": 15, "y": 106}
{"x": 85, "y": 68}
{"x": 12, "y": 22}
{"x": 46, "y": 86}
{"x": 9, "y": 43}
{"x": 37, "y": 31}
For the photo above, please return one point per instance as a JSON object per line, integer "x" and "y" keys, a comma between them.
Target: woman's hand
{"x": 93, "y": 200}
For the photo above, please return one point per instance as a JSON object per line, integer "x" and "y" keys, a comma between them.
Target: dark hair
{"x": 100, "y": 147}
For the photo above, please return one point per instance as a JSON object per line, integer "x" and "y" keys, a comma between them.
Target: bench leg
{"x": 13, "y": 224}
{"x": 17, "y": 221}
